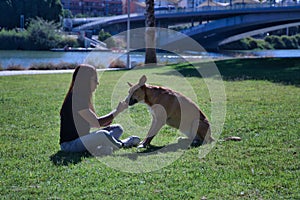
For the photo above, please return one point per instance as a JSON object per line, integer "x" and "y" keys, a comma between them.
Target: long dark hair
{"x": 81, "y": 83}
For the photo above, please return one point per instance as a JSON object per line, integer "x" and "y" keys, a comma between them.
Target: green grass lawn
{"x": 262, "y": 107}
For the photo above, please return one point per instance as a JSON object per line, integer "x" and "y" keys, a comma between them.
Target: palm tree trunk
{"x": 150, "y": 57}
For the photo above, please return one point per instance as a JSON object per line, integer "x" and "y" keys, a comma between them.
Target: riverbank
{"x": 63, "y": 60}
{"x": 34, "y": 72}
{"x": 280, "y": 70}
{"x": 268, "y": 42}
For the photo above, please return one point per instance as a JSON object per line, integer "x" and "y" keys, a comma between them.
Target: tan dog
{"x": 171, "y": 108}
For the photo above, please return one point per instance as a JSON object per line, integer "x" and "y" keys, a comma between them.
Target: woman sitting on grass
{"x": 78, "y": 117}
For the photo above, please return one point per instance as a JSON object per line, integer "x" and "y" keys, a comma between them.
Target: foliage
{"x": 13, "y": 40}
{"x": 290, "y": 42}
{"x": 52, "y": 66}
{"x": 269, "y": 42}
{"x": 40, "y": 35}
{"x": 69, "y": 41}
{"x": 107, "y": 38}
{"x": 11, "y": 10}
{"x": 103, "y": 35}
{"x": 275, "y": 41}
{"x": 14, "y": 67}
{"x": 247, "y": 44}
{"x": 67, "y": 13}
{"x": 297, "y": 37}
{"x": 43, "y": 34}
{"x": 261, "y": 109}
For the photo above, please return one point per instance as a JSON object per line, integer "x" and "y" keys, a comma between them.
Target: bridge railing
{"x": 85, "y": 23}
{"x": 229, "y": 7}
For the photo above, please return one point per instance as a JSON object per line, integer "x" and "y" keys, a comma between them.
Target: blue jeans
{"x": 108, "y": 136}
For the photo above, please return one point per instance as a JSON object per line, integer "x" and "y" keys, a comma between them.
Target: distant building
{"x": 139, "y": 6}
{"x": 136, "y": 6}
{"x": 93, "y": 7}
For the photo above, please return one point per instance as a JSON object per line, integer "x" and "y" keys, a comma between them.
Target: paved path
{"x": 26, "y": 72}
{"x": 29, "y": 72}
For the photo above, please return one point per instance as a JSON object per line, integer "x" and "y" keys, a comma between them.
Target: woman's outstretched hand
{"x": 108, "y": 119}
{"x": 121, "y": 107}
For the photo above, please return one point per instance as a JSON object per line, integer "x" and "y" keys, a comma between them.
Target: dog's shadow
{"x": 182, "y": 144}
{"x": 61, "y": 158}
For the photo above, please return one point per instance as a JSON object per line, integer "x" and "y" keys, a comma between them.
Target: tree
{"x": 107, "y": 38}
{"x": 11, "y": 10}
{"x": 150, "y": 57}
{"x": 103, "y": 35}
{"x": 43, "y": 34}
{"x": 6, "y": 18}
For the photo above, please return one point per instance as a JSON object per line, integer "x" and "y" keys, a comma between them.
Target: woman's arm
{"x": 98, "y": 122}
{"x": 91, "y": 117}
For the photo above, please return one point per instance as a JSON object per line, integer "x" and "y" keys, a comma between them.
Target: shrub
{"x": 269, "y": 39}
{"x": 103, "y": 35}
{"x": 248, "y": 44}
{"x": 67, "y": 41}
{"x": 237, "y": 45}
{"x": 52, "y": 66}
{"x": 107, "y": 38}
{"x": 278, "y": 43}
{"x": 12, "y": 39}
{"x": 252, "y": 44}
{"x": 297, "y": 37}
{"x": 14, "y": 67}
{"x": 245, "y": 43}
{"x": 290, "y": 42}
{"x": 43, "y": 34}
{"x": 117, "y": 64}
{"x": 110, "y": 42}
{"x": 264, "y": 45}
{"x": 275, "y": 41}
{"x": 40, "y": 35}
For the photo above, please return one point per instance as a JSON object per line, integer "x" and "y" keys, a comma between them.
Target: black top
{"x": 72, "y": 125}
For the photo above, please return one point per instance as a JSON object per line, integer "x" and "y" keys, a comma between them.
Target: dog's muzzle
{"x": 132, "y": 102}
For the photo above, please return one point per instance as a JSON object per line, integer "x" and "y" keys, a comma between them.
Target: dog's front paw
{"x": 142, "y": 145}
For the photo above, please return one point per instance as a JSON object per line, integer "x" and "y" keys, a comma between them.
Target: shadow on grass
{"x": 182, "y": 144}
{"x": 278, "y": 70}
{"x": 63, "y": 158}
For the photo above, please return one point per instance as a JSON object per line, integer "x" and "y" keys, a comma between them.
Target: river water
{"x": 97, "y": 58}
{"x": 28, "y": 58}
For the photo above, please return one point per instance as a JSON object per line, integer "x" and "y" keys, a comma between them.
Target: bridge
{"x": 210, "y": 26}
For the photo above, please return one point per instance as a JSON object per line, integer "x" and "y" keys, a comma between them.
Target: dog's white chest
{"x": 150, "y": 110}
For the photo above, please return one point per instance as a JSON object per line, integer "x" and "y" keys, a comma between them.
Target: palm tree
{"x": 150, "y": 57}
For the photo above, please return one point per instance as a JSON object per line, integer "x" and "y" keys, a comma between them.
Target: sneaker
{"x": 131, "y": 141}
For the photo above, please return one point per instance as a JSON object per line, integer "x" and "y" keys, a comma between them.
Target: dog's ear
{"x": 143, "y": 80}
{"x": 130, "y": 84}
